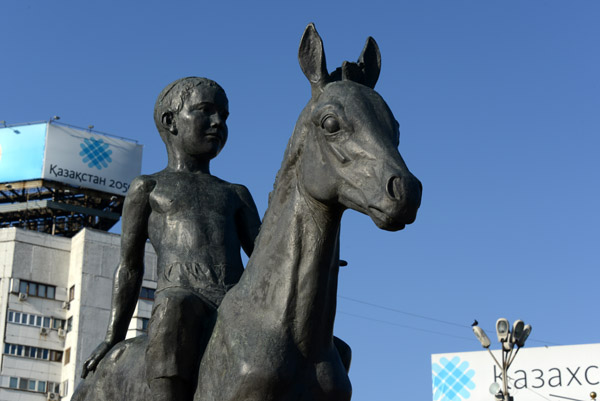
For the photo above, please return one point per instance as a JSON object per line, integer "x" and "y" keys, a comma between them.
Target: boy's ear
{"x": 168, "y": 122}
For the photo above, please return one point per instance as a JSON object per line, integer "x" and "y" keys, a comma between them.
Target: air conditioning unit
{"x": 22, "y": 296}
{"x": 52, "y": 396}
{"x": 66, "y": 305}
{"x": 44, "y": 331}
{"x": 62, "y": 333}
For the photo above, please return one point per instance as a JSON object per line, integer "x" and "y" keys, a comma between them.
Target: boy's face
{"x": 201, "y": 127}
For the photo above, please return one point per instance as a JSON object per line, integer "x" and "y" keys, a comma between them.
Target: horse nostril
{"x": 392, "y": 188}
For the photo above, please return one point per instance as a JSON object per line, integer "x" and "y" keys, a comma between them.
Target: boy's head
{"x": 191, "y": 104}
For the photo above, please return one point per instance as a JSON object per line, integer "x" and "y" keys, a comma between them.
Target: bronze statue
{"x": 272, "y": 339}
{"x": 196, "y": 224}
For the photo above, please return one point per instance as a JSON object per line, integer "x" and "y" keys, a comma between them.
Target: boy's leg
{"x": 175, "y": 344}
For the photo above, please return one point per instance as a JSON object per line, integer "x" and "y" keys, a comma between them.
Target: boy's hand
{"x": 99, "y": 353}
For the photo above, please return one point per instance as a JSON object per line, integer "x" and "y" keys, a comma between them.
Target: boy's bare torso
{"x": 194, "y": 226}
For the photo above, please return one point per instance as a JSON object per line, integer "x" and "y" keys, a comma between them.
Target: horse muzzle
{"x": 400, "y": 204}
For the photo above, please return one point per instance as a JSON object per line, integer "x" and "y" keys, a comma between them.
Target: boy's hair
{"x": 175, "y": 94}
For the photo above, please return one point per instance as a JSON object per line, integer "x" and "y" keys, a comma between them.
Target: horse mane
{"x": 350, "y": 71}
{"x": 286, "y": 176}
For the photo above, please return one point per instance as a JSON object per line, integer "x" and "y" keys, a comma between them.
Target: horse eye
{"x": 331, "y": 124}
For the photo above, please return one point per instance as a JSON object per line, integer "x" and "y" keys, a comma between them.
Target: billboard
{"x": 569, "y": 372}
{"x": 22, "y": 152}
{"x": 66, "y": 154}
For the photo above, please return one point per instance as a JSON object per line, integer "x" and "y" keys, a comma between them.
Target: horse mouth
{"x": 385, "y": 221}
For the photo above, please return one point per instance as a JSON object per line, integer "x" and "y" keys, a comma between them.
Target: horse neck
{"x": 292, "y": 275}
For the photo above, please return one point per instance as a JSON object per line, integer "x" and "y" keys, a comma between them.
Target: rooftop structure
{"x": 58, "y": 179}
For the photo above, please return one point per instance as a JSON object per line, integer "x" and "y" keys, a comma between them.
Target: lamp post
{"x": 508, "y": 339}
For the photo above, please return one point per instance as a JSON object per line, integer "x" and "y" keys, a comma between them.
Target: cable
{"x": 404, "y": 312}
{"x": 420, "y": 317}
{"x": 404, "y": 326}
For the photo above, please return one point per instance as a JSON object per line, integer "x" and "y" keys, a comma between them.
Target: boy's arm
{"x": 130, "y": 272}
{"x": 248, "y": 220}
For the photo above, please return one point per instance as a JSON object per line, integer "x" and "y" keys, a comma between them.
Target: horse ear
{"x": 312, "y": 57}
{"x": 370, "y": 60}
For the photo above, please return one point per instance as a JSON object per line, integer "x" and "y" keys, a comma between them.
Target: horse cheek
{"x": 317, "y": 176}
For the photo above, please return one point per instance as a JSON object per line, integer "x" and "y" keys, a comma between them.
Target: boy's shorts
{"x": 176, "y": 333}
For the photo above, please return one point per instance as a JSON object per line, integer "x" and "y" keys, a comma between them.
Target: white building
{"x": 55, "y": 297}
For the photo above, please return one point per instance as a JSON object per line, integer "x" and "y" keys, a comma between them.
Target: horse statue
{"x": 273, "y": 333}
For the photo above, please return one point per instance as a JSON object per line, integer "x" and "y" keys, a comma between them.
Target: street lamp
{"x": 508, "y": 339}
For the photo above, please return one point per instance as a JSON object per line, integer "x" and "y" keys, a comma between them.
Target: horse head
{"x": 352, "y": 138}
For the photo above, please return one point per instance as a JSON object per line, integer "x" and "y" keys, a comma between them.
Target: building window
{"x": 55, "y": 356}
{"x": 58, "y": 323}
{"x": 32, "y": 352}
{"x": 38, "y": 386}
{"x": 26, "y": 351}
{"x": 67, "y": 356}
{"x": 71, "y": 293}
{"x": 37, "y": 289}
{"x": 64, "y": 388}
{"x": 23, "y": 383}
{"x": 69, "y": 324}
{"x": 145, "y": 322}
{"x": 30, "y": 319}
{"x": 147, "y": 293}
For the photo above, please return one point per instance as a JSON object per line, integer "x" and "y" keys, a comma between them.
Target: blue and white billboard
{"x": 22, "y": 152}
{"x": 569, "y": 372}
{"x": 62, "y": 153}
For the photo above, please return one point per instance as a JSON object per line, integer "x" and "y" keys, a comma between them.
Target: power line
{"x": 404, "y": 312}
{"x": 387, "y": 308}
{"x": 404, "y": 326}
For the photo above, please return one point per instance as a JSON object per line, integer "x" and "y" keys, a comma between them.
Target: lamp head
{"x": 481, "y": 336}
{"x": 502, "y": 330}
{"x": 520, "y": 341}
{"x": 517, "y": 331}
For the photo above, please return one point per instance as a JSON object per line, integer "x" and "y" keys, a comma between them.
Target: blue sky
{"x": 498, "y": 103}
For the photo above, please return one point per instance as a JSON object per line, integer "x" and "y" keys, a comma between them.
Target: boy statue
{"x": 196, "y": 223}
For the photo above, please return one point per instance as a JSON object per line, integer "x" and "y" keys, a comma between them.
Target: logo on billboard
{"x": 452, "y": 380}
{"x": 95, "y": 153}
